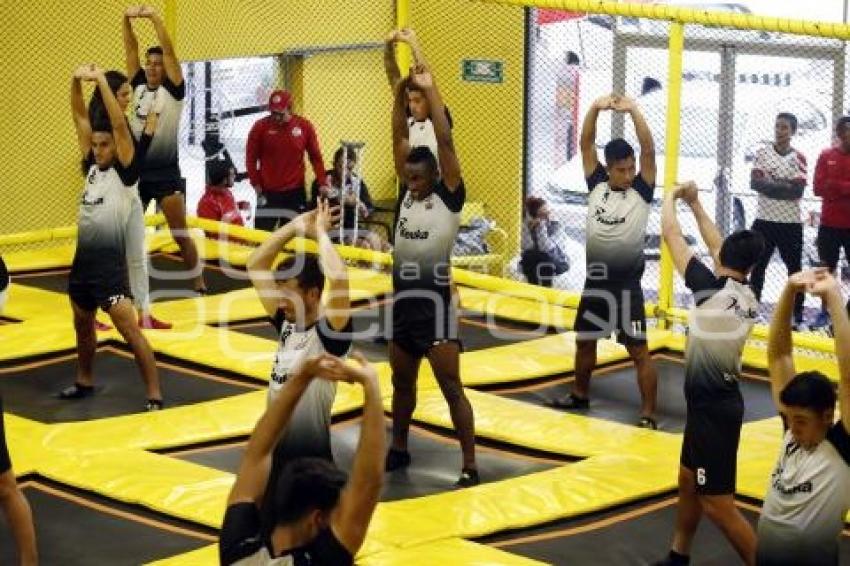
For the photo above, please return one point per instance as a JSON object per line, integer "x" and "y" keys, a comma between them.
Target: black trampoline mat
{"x": 369, "y": 324}
{"x": 435, "y": 466}
{"x": 79, "y": 531}
{"x": 614, "y": 395}
{"x": 167, "y": 276}
{"x": 32, "y": 392}
{"x": 637, "y": 534}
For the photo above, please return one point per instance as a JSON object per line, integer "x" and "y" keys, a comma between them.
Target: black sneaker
{"x": 569, "y": 402}
{"x": 153, "y": 405}
{"x": 647, "y": 422}
{"x": 396, "y": 460}
{"x": 76, "y": 391}
{"x": 468, "y": 478}
{"x": 674, "y": 559}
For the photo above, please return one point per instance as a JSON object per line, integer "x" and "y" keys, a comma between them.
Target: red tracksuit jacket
{"x": 275, "y": 154}
{"x": 832, "y": 183}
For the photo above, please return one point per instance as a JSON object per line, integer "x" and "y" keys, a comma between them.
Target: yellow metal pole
{"x": 402, "y": 20}
{"x": 171, "y": 20}
{"x": 671, "y": 156}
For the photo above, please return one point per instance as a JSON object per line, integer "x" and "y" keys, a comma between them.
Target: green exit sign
{"x": 483, "y": 71}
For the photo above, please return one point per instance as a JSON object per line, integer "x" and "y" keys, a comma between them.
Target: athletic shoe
{"x": 101, "y": 327}
{"x": 569, "y": 402}
{"x": 468, "y": 478}
{"x": 647, "y": 422}
{"x": 151, "y": 323}
{"x": 396, "y": 460}
{"x": 76, "y": 391}
{"x": 153, "y": 405}
{"x": 673, "y": 559}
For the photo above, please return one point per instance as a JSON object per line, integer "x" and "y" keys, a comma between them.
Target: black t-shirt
{"x": 4, "y": 275}
{"x": 241, "y": 540}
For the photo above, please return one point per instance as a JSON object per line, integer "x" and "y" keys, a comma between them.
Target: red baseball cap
{"x": 279, "y": 100}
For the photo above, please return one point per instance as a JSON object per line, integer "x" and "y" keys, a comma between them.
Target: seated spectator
{"x": 335, "y": 193}
{"x": 218, "y": 202}
{"x": 542, "y": 258}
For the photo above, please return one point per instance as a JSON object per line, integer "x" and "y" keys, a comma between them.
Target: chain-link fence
{"x": 734, "y": 84}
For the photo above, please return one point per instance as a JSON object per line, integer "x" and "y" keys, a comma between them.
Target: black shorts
{"x": 159, "y": 189}
{"x": 830, "y": 241}
{"x": 710, "y": 445}
{"x": 605, "y": 310}
{"x": 420, "y": 324}
{"x": 5, "y": 461}
{"x": 98, "y": 280}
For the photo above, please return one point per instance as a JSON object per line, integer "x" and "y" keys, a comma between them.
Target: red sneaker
{"x": 101, "y": 326}
{"x": 149, "y": 322}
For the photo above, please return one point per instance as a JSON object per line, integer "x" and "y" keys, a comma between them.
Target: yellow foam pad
{"x": 448, "y": 551}
{"x": 522, "y": 310}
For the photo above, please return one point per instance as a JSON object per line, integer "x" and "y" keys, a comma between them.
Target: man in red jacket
{"x": 218, "y": 202}
{"x": 275, "y": 162}
{"x": 832, "y": 184}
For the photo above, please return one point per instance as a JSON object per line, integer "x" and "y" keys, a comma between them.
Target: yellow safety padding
{"x": 220, "y": 419}
{"x": 37, "y": 337}
{"x": 20, "y": 433}
{"x": 448, "y": 551}
{"x": 169, "y": 485}
{"x": 53, "y": 257}
{"x": 206, "y": 556}
{"x": 366, "y": 284}
{"x": 233, "y": 306}
{"x": 515, "y": 288}
{"x": 757, "y": 453}
{"x": 541, "y": 428}
{"x": 574, "y": 489}
{"x": 513, "y": 308}
{"x": 212, "y": 249}
{"x": 27, "y": 303}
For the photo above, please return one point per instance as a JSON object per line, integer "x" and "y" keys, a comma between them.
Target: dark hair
{"x": 310, "y": 276}
{"x": 617, "y": 150}
{"x": 648, "y": 85}
{"x": 155, "y": 50}
{"x": 422, "y": 154}
{"x": 352, "y": 156}
{"x": 741, "y": 250}
{"x": 809, "y": 390}
{"x": 790, "y": 118}
{"x": 572, "y": 58}
{"x": 842, "y": 123}
{"x": 97, "y": 109}
{"x": 303, "y": 484}
{"x": 533, "y": 205}
{"x": 217, "y": 172}
{"x": 408, "y": 84}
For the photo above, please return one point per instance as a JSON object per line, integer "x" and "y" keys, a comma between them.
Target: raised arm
{"x": 710, "y": 235}
{"x": 169, "y": 59}
{"x": 401, "y": 141}
{"x": 829, "y": 289}
{"x": 262, "y": 259}
{"x": 644, "y": 136}
{"x": 449, "y": 164}
{"x": 587, "y": 141}
{"x": 780, "y": 358}
{"x": 79, "y": 111}
{"x": 255, "y": 467}
{"x": 337, "y": 307}
{"x": 350, "y": 519}
{"x": 124, "y": 147}
{"x": 408, "y": 36}
{"x": 131, "y": 43}
{"x": 672, "y": 230}
{"x": 390, "y": 63}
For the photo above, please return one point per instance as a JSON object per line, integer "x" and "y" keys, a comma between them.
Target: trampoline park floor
{"x": 614, "y": 393}
{"x": 77, "y": 526}
{"x": 435, "y": 466}
{"x": 634, "y": 534}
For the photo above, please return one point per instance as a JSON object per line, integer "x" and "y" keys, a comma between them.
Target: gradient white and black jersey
{"x": 425, "y": 234}
{"x": 308, "y": 432}
{"x": 241, "y": 543}
{"x": 421, "y": 134}
{"x": 720, "y": 322}
{"x": 808, "y": 496}
{"x": 161, "y": 161}
{"x": 616, "y": 228}
{"x": 105, "y": 207}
